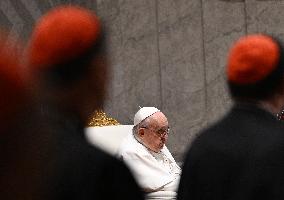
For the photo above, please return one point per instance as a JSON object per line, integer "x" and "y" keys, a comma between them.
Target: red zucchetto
{"x": 63, "y": 34}
{"x": 251, "y": 59}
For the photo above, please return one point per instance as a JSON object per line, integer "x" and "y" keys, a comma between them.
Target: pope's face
{"x": 155, "y": 135}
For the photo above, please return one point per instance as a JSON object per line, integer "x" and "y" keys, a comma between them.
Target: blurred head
{"x": 12, "y": 81}
{"x": 255, "y": 68}
{"x": 66, "y": 51}
{"x": 13, "y": 103}
{"x": 153, "y": 131}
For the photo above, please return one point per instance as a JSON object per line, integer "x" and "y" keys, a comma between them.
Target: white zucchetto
{"x": 143, "y": 113}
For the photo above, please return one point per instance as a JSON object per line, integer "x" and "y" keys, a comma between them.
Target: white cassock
{"x": 157, "y": 173}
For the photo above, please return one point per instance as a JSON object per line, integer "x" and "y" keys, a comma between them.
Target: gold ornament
{"x": 100, "y": 119}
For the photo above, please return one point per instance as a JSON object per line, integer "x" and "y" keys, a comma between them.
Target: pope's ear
{"x": 141, "y": 132}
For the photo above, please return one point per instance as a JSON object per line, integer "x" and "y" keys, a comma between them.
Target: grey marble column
{"x": 135, "y": 79}
{"x": 182, "y": 69}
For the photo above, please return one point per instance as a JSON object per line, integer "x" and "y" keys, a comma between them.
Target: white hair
{"x": 145, "y": 123}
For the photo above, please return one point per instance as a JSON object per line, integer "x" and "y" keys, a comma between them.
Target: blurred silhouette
{"x": 241, "y": 156}
{"x": 67, "y": 57}
{"x": 17, "y": 170}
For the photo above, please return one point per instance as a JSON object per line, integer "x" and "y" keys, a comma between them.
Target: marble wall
{"x": 165, "y": 53}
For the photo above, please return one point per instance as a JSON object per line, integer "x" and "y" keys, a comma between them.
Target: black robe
{"x": 239, "y": 157}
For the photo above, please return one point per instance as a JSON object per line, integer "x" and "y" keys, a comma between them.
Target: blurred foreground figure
{"x": 241, "y": 156}
{"x": 67, "y": 53}
{"x": 13, "y": 85}
{"x": 19, "y": 163}
{"x": 146, "y": 154}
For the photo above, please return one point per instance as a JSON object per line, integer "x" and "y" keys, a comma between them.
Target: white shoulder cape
{"x": 150, "y": 174}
